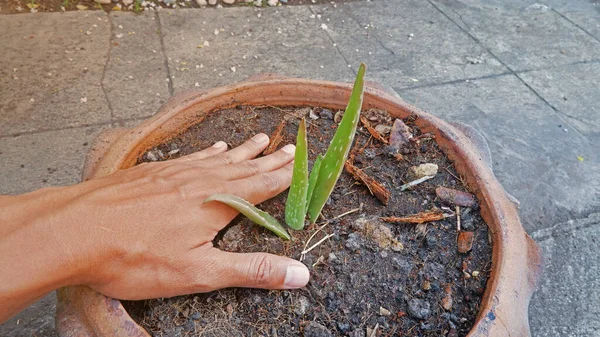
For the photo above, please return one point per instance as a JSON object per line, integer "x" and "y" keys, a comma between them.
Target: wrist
{"x": 39, "y": 246}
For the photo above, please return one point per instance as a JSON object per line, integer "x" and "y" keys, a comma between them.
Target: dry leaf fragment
{"x": 376, "y": 188}
{"x": 427, "y": 216}
{"x": 82, "y": 7}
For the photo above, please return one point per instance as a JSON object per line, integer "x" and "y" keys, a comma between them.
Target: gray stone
{"x": 419, "y": 309}
{"x": 533, "y": 157}
{"x": 301, "y": 306}
{"x": 574, "y": 97}
{"x": 269, "y": 43}
{"x": 314, "y": 329}
{"x": 523, "y": 36}
{"x": 566, "y": 302}
{"x": 136, "y": 74}
{"x": 378, "y": 33}
{"x": 48, "y": 65}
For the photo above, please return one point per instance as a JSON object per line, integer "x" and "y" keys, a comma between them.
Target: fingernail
{"x": 219, "y": 144}
{"x": 290, "y": 148}
{"x": 296, "y": 276}
{"x": 260, "y": 138}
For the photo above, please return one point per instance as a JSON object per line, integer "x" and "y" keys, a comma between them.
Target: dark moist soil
{"x": 368, "y": 275}
{"x": 25, "y": 6}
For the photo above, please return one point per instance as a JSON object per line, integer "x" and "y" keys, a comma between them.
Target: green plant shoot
{"x": 337, "y": 152}
{"x": 314, "y": 174}
{"x": 295, "y": 207}
{"x": 258, "y": 216}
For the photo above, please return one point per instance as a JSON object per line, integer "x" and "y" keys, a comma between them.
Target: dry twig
{"x": 427, "y": 216}
{"x": 276, "y": 138}
{"x": 375, "y": 187}
{"x": 372, "y": 131}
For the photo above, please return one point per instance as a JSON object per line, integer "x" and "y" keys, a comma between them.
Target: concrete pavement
{"x": 524, "y": 73}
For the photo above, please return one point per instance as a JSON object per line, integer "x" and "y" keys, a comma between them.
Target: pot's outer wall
{"x": 516, "y": 258}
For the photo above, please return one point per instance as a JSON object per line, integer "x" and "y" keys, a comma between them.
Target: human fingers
{"x": 262, "y": 186}
{"x": 256, "y": 270}
{"x": 250, "y": 149}
{"x": 217, "y": 148}
{"x": 248, "y": 168}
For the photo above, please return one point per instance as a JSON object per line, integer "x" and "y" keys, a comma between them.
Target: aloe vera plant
{"x": 308, "y": 193}
{"x": 258, "y": 216}
{"x": 312, "y": 180}
{"x": 337, "y": 152}
{"x": 295, "y": 206}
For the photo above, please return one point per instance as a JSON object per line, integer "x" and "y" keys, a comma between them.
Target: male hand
{"x": 144, "y": 232}
{"x": 159, "y": 233}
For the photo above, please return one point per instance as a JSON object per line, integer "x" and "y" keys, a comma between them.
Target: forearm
{"x": 36, "y": 248}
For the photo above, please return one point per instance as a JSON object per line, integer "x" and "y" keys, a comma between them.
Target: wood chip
{"x": 275, "y": 138}
{"x": 427, "y": 216}
{"x": 464, "y": 241}
{"x": 455, "y": 197}
{"x": 372, "y": 131}
{"x": 447, "y": 299}
{"x": 376, "y": 188}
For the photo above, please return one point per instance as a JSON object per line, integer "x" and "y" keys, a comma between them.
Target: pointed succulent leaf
{"x": 258, "y": 216}
{"x": 337, "y": 152}
{"x": 295, "y": 207}
{"x": 312, "y": 179}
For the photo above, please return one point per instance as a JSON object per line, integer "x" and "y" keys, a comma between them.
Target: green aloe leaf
{"x": 312, "y": 180}
{"x": 258, "y": 216}
{"x": 337, "y": 152}
{"x": 295, "y": 207}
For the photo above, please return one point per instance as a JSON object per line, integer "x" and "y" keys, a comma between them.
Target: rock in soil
{"x": 314, "y": 329}
{"x": 423, "y": 170}
{"x": 418, "y": 309}
{"x": 400, "y": 134}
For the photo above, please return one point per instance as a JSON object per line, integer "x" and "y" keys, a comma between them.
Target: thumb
{"x": 259, "y": 270}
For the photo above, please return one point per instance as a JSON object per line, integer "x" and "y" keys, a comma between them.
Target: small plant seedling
{"x": 308, "y": 193}
{"x": 259, "y": 217}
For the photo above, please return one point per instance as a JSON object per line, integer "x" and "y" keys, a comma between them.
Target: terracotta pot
{"x": 516, "y": 262}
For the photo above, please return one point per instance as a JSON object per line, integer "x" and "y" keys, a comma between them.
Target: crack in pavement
{"x": 593, "y": 219}
{"x": 108, "y": 53}
{"x": 337, "y": 48}
{"x": 164, "y": 52}
{"x": 516, "y": 74}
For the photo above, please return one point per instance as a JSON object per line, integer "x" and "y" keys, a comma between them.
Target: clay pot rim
{"x": 515, "y": 257}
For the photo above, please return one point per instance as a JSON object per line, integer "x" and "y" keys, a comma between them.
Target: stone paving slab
{"x": 566, "y": 302}
{"x": 285, "y": 41}
{"x": 534, "y": 151}
{"x": 583, "y": 13}
{"x": 405, "y": 43}
{"x": 523, "y": 34}
{"x": 52, "y": 158}
{"x": 574, "y": 96}
{"x": 135, "y": 78}
{"x": 49, "y": 64}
